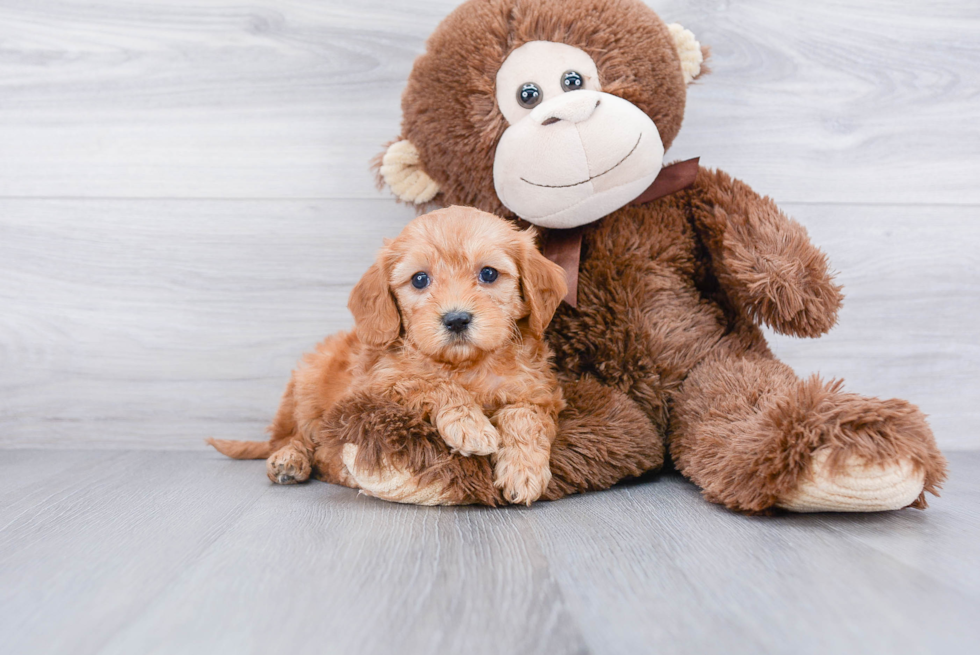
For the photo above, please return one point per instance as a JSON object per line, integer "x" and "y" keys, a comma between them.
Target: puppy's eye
{"x": 572, "y": 81}
{"x": 528, "y": 95}
{"x": 420, "y": 280}
{"x": 488, "y": 274}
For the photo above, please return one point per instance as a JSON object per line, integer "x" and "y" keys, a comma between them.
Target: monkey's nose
{"x": 457, "y": 322}
{"x": 573, "y": 107}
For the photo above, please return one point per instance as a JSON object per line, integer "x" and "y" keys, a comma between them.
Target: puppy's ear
{"x": 543, "y": 283}
{"x": 376, "y": 318}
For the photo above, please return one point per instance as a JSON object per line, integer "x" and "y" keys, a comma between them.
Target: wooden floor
{"x": 185, "y": 552}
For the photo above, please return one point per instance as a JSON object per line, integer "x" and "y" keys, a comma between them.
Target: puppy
{"x": 449, "y": 322}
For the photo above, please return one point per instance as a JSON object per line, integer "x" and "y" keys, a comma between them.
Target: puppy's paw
{"x": 288, "y": 466}
{"x": 522, "y": 476}
{"x": 468, "y": 432}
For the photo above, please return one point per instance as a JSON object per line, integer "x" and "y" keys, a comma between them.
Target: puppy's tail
{"x": 242, "y": 449}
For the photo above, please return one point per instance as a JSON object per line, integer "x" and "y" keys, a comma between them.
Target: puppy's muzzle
{"x": 457, "y": 322}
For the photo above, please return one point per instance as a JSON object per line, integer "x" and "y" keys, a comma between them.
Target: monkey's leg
{"x": 603, "y": 437}
{"x": 389, "y": 452}
{"x": 753, "y": 436}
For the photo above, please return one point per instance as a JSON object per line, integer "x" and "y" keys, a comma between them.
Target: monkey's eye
{"x": 488, "y": 275}
{"x": 572, "y": 81}
{"x": 528, "y": 95}
{"x": 420, "y": 280}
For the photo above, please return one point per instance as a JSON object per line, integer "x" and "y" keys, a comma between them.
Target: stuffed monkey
{"x": 558, "y": 113}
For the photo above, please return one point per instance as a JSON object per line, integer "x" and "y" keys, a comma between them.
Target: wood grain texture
{"x": 654, "y": 568}
{"x": 869, "y": 101}
{"x": 184, "y": 206}
{"x": 134, "y": 323}
{"x": 137, "y": 315}
{"x": 107, "y": 535}
{"x": 836, "y": 101}
{"x": 160, "y": 323}
{"x": 149, "y": 552}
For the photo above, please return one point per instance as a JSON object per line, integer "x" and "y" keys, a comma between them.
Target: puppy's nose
{"x": 457, "y": 322}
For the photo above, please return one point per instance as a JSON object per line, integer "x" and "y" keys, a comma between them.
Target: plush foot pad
{"x": 391, "y": 483}
{"x": 856, "y": 487}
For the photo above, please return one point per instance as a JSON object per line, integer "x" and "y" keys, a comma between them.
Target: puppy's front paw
{"x": 522, "y": 476}
{"x": 468, "y": 431}
{"x": 288, "y": 466}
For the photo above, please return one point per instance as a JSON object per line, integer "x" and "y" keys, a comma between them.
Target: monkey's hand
{"x": 765, "y": 260}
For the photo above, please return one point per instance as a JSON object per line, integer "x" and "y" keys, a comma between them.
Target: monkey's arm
{"x": 764, "y": 260}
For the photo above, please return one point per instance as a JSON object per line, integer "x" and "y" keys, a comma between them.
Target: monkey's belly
{"x": 639, "y": 332}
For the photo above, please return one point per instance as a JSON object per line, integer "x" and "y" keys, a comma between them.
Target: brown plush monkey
{"x": 558, "y": 112}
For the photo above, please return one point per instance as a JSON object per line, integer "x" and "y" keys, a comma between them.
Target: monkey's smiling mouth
{"x": 565, "y": 186}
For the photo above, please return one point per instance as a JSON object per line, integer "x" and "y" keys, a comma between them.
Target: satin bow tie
{"x": 564, "y": 247}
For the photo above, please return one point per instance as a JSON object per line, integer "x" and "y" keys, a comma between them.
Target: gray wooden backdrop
{"x": 185, "y": 197}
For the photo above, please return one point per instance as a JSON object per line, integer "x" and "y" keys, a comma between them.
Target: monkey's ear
{"x": 376, "y": 318}
{"x": 543, "y": 283}
{"x": 690, "y": 51}
{"x": 401, "y": 169}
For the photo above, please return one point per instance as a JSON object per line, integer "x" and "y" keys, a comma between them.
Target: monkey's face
{"x": 571, "y": 154}
{"x": 555, "y": 111}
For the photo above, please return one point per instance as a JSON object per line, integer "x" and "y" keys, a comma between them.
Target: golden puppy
{"x": 448, "y": 322}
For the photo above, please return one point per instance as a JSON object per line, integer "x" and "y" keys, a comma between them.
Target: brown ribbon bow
{"x": 564, "y": 247}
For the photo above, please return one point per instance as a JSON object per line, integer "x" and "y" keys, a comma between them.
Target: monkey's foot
{"x": 856, "y": 487}
{"x": 392, "y": 483}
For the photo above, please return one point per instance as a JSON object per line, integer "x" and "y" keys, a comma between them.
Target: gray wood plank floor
{"x": 186, "y": 552}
